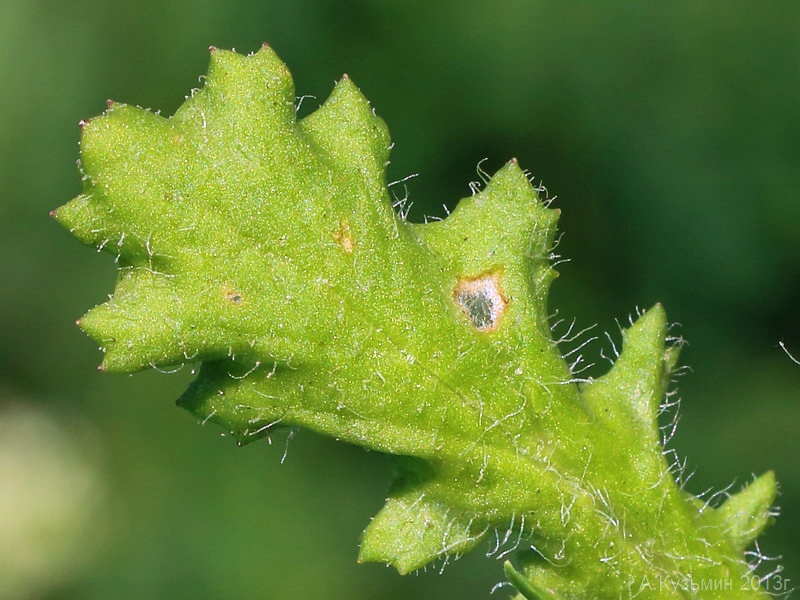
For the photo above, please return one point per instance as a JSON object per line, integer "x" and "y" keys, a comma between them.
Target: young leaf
{"x": 267, "y": 249}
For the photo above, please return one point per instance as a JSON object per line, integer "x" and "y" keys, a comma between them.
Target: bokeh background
{"x": 670, "y": 132}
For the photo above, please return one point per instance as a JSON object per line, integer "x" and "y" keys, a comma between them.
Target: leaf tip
{"x": 526, "y": 588}
{"x": 266, "y": 51}
{"x": 748, "y": 512}
{"x": 511, "y": 178}
{"x": 410, "y": 531}
{"x": 655, "y": 317}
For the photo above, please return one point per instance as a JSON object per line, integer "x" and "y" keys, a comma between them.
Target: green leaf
{"x": 267, "y": 249}
{"x": 745, "y": 515}
{"x": 525, "y": 587}
{"x": 420, "y": 529}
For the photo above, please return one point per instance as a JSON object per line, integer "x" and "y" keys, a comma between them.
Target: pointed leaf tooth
{"x": 411, "y": 531}
{"x": 671, "y": 356}
{"x": 134, "y": 331}
{"x": 528, "y": 589}
{"x": 122, "y": 137}
{"x": 151, "y": 321}
{"x": 495, "y": 226}
{"x": 636, "y": 383}
{"x": 748, "y": 512}
{"x": 489, "y": 233}
{"x": 256, "y": 91}
{"x": 349, "y": 134}
{"x": 351, "y": 145}
{"x": 130, "y": 154}
{"x": 89, "y": 221}
{"x": 261, "y": 76}
{"x": 510, "y": 185}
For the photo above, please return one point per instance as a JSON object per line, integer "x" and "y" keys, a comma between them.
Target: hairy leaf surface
{"x": 267, "y": 249}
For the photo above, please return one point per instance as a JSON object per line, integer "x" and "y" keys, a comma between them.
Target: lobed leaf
{"x": 267, "y": 249}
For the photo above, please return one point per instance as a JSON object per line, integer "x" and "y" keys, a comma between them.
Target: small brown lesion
{"x": 232, "y": 295}
{"x": 344, "y": 237}
{"x": 482, "y": 300}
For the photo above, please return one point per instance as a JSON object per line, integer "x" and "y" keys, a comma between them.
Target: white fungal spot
{"x": 482, "y": 300}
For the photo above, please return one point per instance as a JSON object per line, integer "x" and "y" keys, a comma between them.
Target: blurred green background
{"x": 670, "y": 132}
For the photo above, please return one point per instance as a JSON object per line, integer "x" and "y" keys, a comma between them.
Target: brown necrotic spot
{"x": 232, "y": 295}
{"x": 481, "y": 299}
